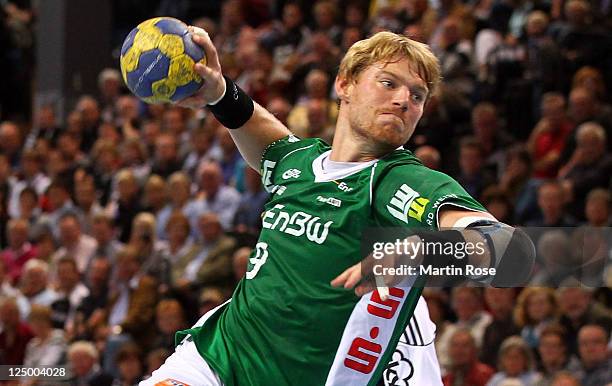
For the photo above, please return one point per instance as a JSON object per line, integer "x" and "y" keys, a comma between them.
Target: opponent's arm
{"x": 254, "y": 127}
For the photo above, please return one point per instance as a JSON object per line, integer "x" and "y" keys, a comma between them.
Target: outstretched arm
{"x": 260, "y": 130}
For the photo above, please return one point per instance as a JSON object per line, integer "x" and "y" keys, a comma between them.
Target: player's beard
{"x": 380, "y": 138}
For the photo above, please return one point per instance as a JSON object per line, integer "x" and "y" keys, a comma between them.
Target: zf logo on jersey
{"x": 291, "y": 173}
{"x": 406, "y": 202}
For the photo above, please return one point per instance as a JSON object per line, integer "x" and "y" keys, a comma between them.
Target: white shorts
{"x": 184, "y": 368}
{"x": 414, "y": 360}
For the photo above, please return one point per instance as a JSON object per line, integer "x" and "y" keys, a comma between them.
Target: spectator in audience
{"x": 467, "y": 303}
{"x": 516, "y": 181}
{"x": 240, "y": 262}
{"x": 454, "y": 53}
{"x": 31, "y": 175}
{"x": 201, "y": 139}
{"x": 10, "y": 142}
{"x": 497, "y": 202}
{"x": 579, "y": 309}
{"x": 126, "y": 120}
{"x": 554, "y": 258}
{"x": 552, "y": 350}
{"x": 127, "y": 204}
{"x": 215, "y": 196}
{"x": 589, "y": 167}
{"x": 87, "y": 203}
{"x": 19, "y": 250}
{"x": 151, "y": 129}
{"x": 166, "y": 160}
{"x": 179, "y": 184}
{"x": 105, "y": 164}
{"x": 73, "y": 243}
{"x": 548, "y": 138}
{"x": 15, "y": 333}
{"x": 592, "y": 79}
{"x": 515, "y": 361}
{"x": 597, "y": 208}
{"x": 83, "y": 360}
{"x": 109, "y": 86}
{"x": 155, "y": 358}
{"x": 465, "y": 369}
{"x": 59, "y": 204}
{"x": 209, "y": 298}
{"x": 248, "y": 215}
{"x": 491, "y": 135}
{"x": 536, "y": 308}
{"x": 280, "y": 108}
{"x": 71, "y": 292}
{"x": 135, "y": 158}
{"x": 500, "y": 302}
{"x": 8, "y": 291}
{"x": 593, "y": 349}
{"x": 429, "y": 156}
{"x": 34, "y": 283}
{"x": 130, "y": 310}
{"x": 104, "y": 233}
{"x": 544, "y": 61}
{"x": 89, "y": 109}
{"x": 473, "y": 177}
{"x": 129, "y": 364}
{"x": 584, "y": 107}
{"x": 317, "y": 88}
{"x": 169, "y": 318}
{"x": 213, "y": 264}
{"x": 48, "y": 346}
{"x": 45, "y": 127}
{"x": 551, "y": 202}
{"x": 180, "y": 246}
{"x": 29, "y": 209}
{"x": 151, "y": 252}
{"x": 319, "y": 125}
{"x": 174, "y": 122}
{"x": 155, "y": 194}
{"x": 98, "y": 280}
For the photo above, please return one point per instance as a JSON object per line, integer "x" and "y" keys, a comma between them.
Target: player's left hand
{"x": 362, "y": 278}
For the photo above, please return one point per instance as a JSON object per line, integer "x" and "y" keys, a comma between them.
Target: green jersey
{"x": 285, "y": 321}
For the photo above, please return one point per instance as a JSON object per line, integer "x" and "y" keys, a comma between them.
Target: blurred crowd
{"x": 121, "y": 223}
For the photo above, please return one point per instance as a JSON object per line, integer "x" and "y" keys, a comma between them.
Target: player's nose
{"x": 401, "y": 98}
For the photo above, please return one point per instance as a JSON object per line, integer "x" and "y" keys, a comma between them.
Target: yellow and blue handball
{"x": 157, "y": 60}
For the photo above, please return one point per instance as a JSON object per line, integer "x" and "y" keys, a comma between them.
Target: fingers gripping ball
{"x": 157, "y": 60}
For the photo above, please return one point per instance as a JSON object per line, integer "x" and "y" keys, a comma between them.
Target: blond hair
{"x": 389, "y": 47}
{"x": 521, "y": 316}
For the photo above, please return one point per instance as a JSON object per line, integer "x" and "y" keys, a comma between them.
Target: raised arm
{"x": 258, "y": 130}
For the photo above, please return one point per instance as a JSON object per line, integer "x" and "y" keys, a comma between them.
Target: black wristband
{"x": 235, "y": 107}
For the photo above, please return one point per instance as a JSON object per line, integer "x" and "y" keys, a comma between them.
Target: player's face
{"x": 385, "y": 102}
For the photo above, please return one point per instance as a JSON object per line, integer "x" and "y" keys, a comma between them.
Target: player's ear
{"x": 343, "y": 88}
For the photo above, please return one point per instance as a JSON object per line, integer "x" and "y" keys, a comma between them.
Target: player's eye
{"x": 417, "y": 96}
{"x": 387, "y": 83}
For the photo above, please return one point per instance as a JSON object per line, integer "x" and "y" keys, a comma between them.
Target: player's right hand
{"x": 213, "y": 86}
